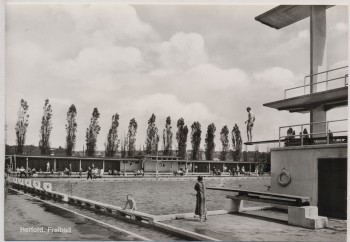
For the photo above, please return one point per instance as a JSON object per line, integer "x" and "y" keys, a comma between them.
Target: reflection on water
{"x": 156, "y": 197}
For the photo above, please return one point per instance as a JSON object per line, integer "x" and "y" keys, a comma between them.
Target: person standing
{"x": 250, "y": 124}
{"x": 201, "y": 206}
{"x": 89, "y": 173}
{"x": 48, "y": 166}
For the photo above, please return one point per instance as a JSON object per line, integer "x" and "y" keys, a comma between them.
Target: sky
{"x": 204, "y": 63}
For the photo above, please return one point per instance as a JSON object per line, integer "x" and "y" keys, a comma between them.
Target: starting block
{"x": 47, "y": 187}
{"x": 37, "y": 185}
{"x": 28, "y": 183}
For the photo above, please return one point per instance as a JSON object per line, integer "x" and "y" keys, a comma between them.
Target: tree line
{"x": 127, "y": 143}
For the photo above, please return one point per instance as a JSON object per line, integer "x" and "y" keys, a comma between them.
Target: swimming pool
{"x": 157, "y": 197}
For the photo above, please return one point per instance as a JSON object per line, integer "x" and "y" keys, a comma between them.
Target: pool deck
{"x": 266, "y": 225}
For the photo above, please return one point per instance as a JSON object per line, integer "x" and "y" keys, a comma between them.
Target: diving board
{"x": 284, "y": 15}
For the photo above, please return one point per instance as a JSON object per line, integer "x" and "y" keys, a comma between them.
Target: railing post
{"x": 346, "y": 76}
{"x": 301, "y": 135}
{"x": 327, "y": 132}
{"x": 279, "y": 137}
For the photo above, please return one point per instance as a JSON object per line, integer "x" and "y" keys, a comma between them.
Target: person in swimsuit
{"x": 250, "y": 124}
{"x": 131, "y": 202}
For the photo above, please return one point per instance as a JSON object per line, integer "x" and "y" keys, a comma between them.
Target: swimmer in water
{"x": 131, "y": 202}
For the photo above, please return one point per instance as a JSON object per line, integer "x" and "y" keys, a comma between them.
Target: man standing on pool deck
{"x": 250, "y": 124}
{"x": 201, "y": 206}
{"x": 89, "y": 173}
{"x": 131, "y": 202}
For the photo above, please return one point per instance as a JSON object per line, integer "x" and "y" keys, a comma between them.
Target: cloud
{"x": 341, "y": 27}
{"x": 214, "y": 77}
{"x": 163, "y": 105}
{"x": 183, "y": 50}
{"x": 276, "y": 77}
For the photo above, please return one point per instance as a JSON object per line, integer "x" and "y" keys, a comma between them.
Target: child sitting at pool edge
{"x": 131, "y": 202}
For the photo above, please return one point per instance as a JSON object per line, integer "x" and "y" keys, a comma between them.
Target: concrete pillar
{"x": 318, "y": 36}
{"x": 79, "y": 164}
{"x": 103, "y": 165}
{"x": 318, "y": 63}
{"x": 306, "y": 217}
{"x": 209, "y": 167}
{"x": 27, "y": 163}
{"x": 233, "y": 205}
{"x": 54, "y": 165}
{"x": 318, "y": 114}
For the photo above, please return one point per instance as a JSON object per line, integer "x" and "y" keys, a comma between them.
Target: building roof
{"x": 75, "y": 157}
{"x": 284, "y": 15}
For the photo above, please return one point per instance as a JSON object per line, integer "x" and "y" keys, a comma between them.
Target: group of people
{"x": 114, "y": 172}
{"x": 94, "y": 173}
{"x": 26, "y": 172}
{"x": 180, "y": 172}
{"x": 291, "y": 137}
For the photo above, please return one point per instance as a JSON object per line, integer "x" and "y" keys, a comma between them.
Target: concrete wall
{"x": 131, "y": 166}
{"x": 302, "y": 164}
{"x": 169, "y": 166}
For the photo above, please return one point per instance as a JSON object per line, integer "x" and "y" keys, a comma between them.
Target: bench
{"x": 300, "y": 212}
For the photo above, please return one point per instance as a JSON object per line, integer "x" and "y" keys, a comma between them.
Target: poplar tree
{"x": 209, "y": 142}
{"x": 124, "y": 144}
{"x": 181, "y": 137}
{"x": 131, "y": 137}
{"x": 196, "y": 133}
{"x": 225, "y": 142}
{"x": 167, "y": 137}
{"x": 22, "y": 125}
{"x": 45, "y": 129}
{"x": 71, "y": 128}
{"x": 91, "y": 133}
{"x": 112, "y": 142}
{"x": 152, "y": 138}
{"x": 236, "y": 143}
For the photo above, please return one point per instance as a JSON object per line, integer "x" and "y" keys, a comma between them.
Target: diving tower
{"x": 312, "y": 163}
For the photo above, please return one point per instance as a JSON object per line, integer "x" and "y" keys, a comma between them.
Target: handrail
{"x": 343, "y": 67}
{"x": 320, "y": 122}
{"x": 306, "y": 85}
{"x": 301, "y": 135}
{"x": 345, "y": 77}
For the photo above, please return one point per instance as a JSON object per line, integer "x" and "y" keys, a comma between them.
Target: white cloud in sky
{"x": 183, "y": 50}
{"x": 276, "y": 77}
{"x": 342, "y": 27}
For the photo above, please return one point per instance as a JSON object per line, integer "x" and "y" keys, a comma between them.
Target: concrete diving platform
{"x": 302, "y": 104}
{"x": 284, "y": 15}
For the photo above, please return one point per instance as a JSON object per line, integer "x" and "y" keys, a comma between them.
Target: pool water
{"x": 156, "y": 197}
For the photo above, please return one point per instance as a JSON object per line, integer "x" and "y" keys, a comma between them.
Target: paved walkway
{"x": 26, "y": 213}
{"x": 267, "y": 225}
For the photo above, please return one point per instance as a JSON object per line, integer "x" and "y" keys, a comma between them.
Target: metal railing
{"x": 345, "y": 77}
{"x": 328, "y": 134}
